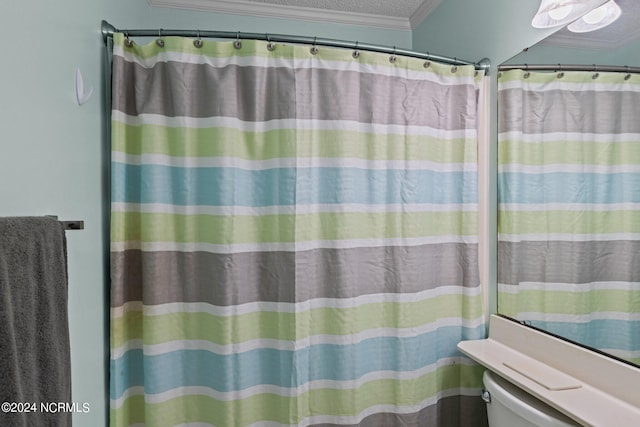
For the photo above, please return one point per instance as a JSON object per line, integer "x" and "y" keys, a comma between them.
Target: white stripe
{"x": 570, "y": 287}
{"x": 567, "y": 237}
{"x": 295, "y": 63}
{"x": 290, "y": 307}
{"x": 289, "y": 247}
{"x": 128, "y": 393}
{"x": 297, "y": 124}
{"x": 287, "y": 345}
{"x": 608, "y": 138}
{"x": 159, "y": 208}
{"x": 580, "y": 207}
{"x": 290, "y": 392}
{"x": 559, "y": 84}
{"x": 569, "y": 168}
{"x": 291, "y": 162}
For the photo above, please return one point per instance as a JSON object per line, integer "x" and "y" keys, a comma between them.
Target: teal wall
{"x": 472, "y": 30}
{"x": 53, "y": 158}
{"x": 549, "y": 54}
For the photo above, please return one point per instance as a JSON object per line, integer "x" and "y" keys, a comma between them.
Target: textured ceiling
{"x": 398, "y": 8}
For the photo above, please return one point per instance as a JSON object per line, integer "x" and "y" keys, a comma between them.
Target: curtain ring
{"x": 159, "y": 40}
{"x": 427, "y": 63}
{"x": 526, "y": 71}
{"x": 596, "y": 74}
{"x": 271, "y": 46}
{"x": 198, "y": 42}
{"x": 561, "y": 73}
{"x": 356, "y": 52}
{"x": 127, "y": 41}
{"x": 314, "y": 49}
{"x": 454, "y": 69}
{"x": 393, "y": 58}
{"x": 237, "y": 44}
{"x": 628, "y": 76}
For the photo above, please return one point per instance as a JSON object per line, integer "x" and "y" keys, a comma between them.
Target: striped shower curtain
{"x": 294, "y": 237}
{"x": 569, "y": 205}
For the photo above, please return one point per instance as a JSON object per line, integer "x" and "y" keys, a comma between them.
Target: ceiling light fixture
{"x": 597, "y": 18}
{"x": 553, "y": 13}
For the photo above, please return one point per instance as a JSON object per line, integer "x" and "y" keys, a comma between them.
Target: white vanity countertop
{"x": 590, "y": 388}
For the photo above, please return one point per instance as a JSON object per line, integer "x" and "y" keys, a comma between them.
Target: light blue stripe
{"x": 514, "y": 187}
{"x": 610, "y": 334}
{"x": 277, "y": 187}
{"x": 276, "y": 367}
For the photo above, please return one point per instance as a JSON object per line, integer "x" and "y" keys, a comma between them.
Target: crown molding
{"x": 248, "y": 8}
{"x": 421, "y": 13}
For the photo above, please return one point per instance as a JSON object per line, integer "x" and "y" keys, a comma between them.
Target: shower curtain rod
{"x": 570, "y": 67}
{"x": 108, "y": 30}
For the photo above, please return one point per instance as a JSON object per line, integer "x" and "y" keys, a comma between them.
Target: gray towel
{"x": 34, "y": 334}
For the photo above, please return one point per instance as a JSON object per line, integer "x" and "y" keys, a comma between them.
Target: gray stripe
{"x": 198, "y": 90}
{"x": 568, "y": 262}
{"x": 568, "y": 111}
{"x": 454, "y": 411}
{"x": 229, "y": 279}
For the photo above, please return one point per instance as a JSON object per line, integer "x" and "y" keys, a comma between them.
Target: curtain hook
{"x": 237, "y": 44}
{"x": 270, "y": 45}
{"x": 427, "y": 63}
{"x": 526, "y": 71}
{"x": 560, "y": 74}
{"x": 198, "y": 42}
{"x": 356, "y": 52}
{"x": 454, "y": 69}
{"x": 596, "y": 74}
{"x": 314, "y": 49}
{"x": 160, "y": 41}
{"x": 393, "y": 57}
{"x": 127, "y": 41}
{"x": 628, "y": 76}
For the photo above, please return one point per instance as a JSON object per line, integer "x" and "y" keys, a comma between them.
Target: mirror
{"x": 569, "y": 187}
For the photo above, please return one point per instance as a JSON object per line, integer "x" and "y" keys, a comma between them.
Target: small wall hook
{"x": 81, "y": 95}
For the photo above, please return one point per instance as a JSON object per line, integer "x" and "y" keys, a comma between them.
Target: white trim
{"x": 244, "y": 7}
{"x": 421, "y": 13}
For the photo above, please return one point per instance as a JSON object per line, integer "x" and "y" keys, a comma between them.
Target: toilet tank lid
{"x": 524, "y": 404}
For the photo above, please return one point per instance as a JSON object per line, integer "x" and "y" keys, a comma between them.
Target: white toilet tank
{"x": 511, "y": 406}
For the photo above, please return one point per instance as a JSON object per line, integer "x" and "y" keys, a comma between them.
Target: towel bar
{"x": 73, "y": 225}
{"x": 70, "y": 225}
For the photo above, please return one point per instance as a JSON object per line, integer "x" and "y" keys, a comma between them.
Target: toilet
{"x": 510, "y": 406}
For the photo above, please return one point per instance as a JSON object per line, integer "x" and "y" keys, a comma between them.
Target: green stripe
{"x": 288, "y": 143}
{"x": 224, "y": 230}
{"x": 541, "y": 77}
{"x": 282, "y": 326}
{"x": 563, "y": 302}
{"x": 568, "y": 152}
{"x": 569, "y": 222}
{"x": 221, "y": 49}
{"x": 212, "y": 49}
{"x": 271, "y": 407}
